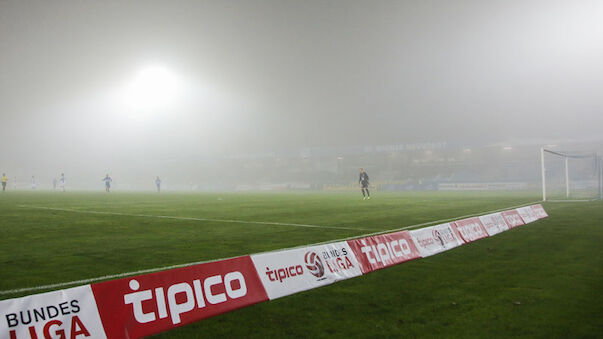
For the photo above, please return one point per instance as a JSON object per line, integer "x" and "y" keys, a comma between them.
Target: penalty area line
{"x": 231, "y": 221}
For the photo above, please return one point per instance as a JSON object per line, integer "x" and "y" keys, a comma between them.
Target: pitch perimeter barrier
{"x": 470, "y": 229}
{"x": 384, "y": 250}
{"x": 148, "y": 304}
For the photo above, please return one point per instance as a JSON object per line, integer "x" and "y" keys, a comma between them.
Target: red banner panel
{"x": 380, "y": 251}
{"x": 470, "y": 229}
{"x": 147, "y": 304}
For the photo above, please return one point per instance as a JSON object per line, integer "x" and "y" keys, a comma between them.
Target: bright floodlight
{"x": 154, "y": 87}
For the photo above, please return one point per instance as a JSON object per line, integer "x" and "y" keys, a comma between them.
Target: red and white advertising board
{"x": 470, "y": 229}
{"x": 147, "y": 304}
{"x": 494, "y": 223}
{"x": 380, "y": 251}
{"x": 69, "y": 313}
{"x": 435, "y": 239}
{"x": 291, "y": 271}
{"x": 527, "y": 214}
{"x": 539, "y": 211}
{"x": 512, "y": 218}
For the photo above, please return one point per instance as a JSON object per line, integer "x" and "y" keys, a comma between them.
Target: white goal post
{"x": 570, "y": 176}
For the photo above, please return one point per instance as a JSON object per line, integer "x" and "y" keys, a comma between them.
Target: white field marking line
{"x": 583, "y": 200}
{"x": 419, "y": 225}
{"x": 232, "y": 221}
{"x": 106, "y": 277}
{"x": 150, "y": 270}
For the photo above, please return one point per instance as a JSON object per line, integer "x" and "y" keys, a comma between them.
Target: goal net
{"x": 570, "y": 176}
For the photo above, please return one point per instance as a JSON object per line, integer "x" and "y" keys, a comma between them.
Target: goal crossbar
{"x": 568, "y": 155}
{"x": 598, "y": 174}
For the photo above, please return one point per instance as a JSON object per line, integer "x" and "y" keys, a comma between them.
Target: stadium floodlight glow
{"x": 507, "y": 148}
{"x": 153, "y": 87}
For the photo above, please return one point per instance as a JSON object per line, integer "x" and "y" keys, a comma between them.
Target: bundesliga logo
{"x": 314, "y": 264}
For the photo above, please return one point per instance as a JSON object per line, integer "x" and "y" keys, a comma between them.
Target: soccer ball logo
{"x": 314, "y": 264}
{"x": 438, "y": 237}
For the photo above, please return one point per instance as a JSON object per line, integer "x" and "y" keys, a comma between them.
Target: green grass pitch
{"x": 543, "y": 280}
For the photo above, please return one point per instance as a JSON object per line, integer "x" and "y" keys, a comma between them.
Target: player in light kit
{"x": 363, "y": 180}
{"x": 158, "y": 183}
{"x": 33, "y": 183}
{"x": 107, "y": 179}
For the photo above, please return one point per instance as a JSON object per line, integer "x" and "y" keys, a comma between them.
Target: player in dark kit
{"x": 363, "y": 180}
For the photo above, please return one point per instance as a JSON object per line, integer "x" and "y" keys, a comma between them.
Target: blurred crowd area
{"x": 416, "y": 166}
{"x": 396, "y": 167}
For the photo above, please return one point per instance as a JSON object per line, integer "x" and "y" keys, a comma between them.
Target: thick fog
{"x": 202, "y": 92}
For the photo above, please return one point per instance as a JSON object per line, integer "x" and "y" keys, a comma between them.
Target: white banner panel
{"x": 512, "y": 218}
{"x": 70, "y": 313}
{"x": 296, "y": 270}
{"x": 435, "y": 239}
{"x": 527, "y": 214}
{"x": 539, "y": 211}
{"x": 494, "y": 223}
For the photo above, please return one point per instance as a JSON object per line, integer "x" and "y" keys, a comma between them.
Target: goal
{"x": 570, "y": 176}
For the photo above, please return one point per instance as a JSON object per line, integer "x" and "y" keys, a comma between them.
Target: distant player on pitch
{"x": 62, "y": 182}
{"x": 4, "y": 181}
{"x": 363, "y": 180}
{"x": 158, "y": 184}
{"x": 107, "y": 179}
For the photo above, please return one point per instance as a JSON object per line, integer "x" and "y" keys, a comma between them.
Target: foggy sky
{"x": 261, "y": 75}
